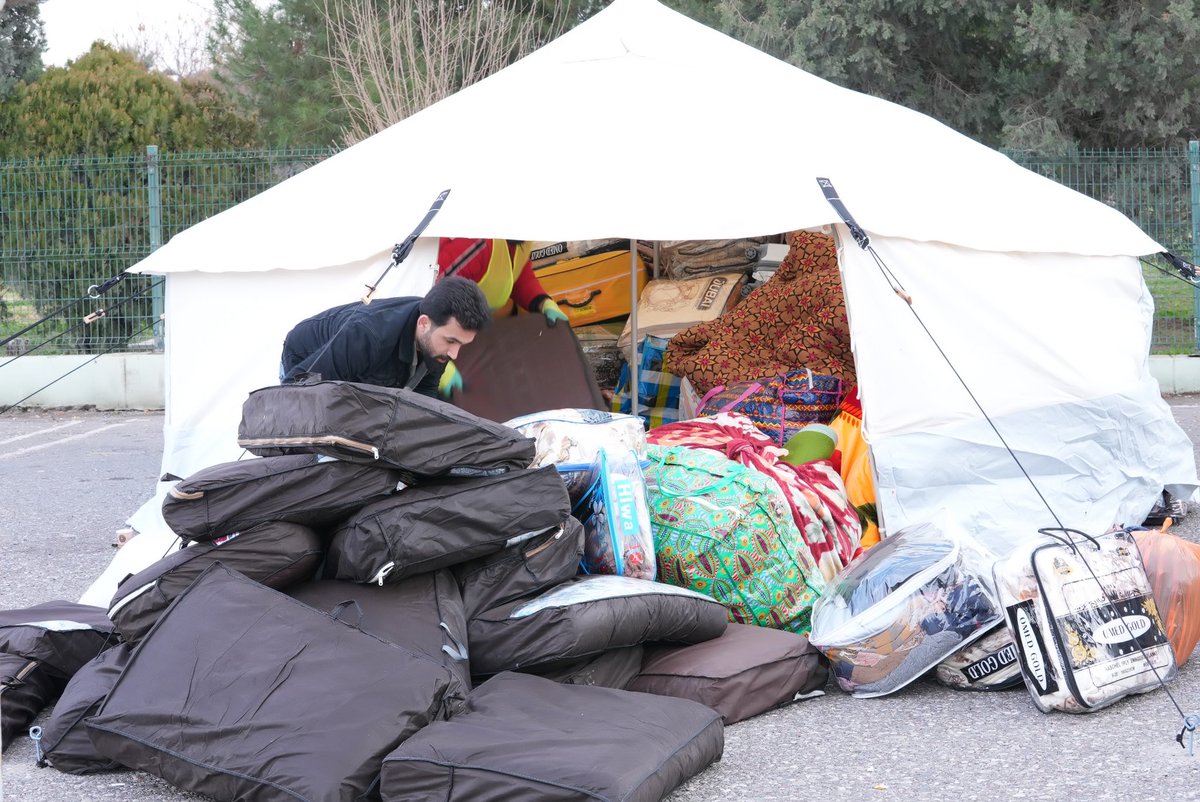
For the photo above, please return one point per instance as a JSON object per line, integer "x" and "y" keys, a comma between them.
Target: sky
{"x": 72, "y": 25}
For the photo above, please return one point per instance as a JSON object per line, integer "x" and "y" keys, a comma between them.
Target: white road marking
{"x": 62, "y": 440}
{"x": 75, "y": 422}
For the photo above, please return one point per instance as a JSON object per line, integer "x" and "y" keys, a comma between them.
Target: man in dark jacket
{"x": 394, "y": 342}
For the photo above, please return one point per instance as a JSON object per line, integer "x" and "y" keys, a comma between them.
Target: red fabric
{"x": 526, "y": 287}
{"x": 814, "y": 491}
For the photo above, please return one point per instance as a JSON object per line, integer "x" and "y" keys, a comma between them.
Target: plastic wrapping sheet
{"x": 616, "y": 521}
{"x": 1062, "y": 373}
{"x": 903, "y": 607}
{"x": 1098, "y": 463}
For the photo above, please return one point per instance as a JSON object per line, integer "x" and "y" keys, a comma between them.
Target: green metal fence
{"x": 1157, "y": 189}
{"x": 68, "y": 225}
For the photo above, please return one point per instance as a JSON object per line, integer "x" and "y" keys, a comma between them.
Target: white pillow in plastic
{"x": 572, "y": 439}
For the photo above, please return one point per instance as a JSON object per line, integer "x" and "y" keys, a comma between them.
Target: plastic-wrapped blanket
{"x": 987, "y": 664}
{"x": 814, "y": 492}
{"x": 616, "y": 521}
{"x": 1084, "y": 618}
{"x": 903, "y": 607}
{"x": 724, "y": 530}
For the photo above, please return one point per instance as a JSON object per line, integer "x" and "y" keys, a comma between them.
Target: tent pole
{"x": 634, "y": 406}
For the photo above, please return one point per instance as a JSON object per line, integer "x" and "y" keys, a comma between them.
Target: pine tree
{"x": 1041, "y": 74}
{"x": 22, "y": 42}
{"x": 275, "y": 62}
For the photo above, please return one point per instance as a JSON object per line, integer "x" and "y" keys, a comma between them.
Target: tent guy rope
{"x": 864, "y": 242}
{"x": 94, "y": 292}
{"x": 1190, "y": 722}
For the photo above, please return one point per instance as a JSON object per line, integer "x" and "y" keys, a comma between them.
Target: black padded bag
{"x": 443, "y": 522}
{"x": 64, "y": 742}
{"x": 299, "y": 488}
{"x": 527, "y": 738}
{"x": 746, "y": 671}
{"x": 526, "y": 568}
{"x": 26, "y": 687}
{"x": 62, "y": 635}
{"x": 587, "y": 616}
{"x": 423, "y": 613}
{"x": 382, "y": 425}
{"x": 242, "y": 693}
{"x": 41, "y": 647}
{"x": 276, "y": 553}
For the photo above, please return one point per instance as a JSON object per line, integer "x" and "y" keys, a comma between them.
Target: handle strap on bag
{"x": 751, "y": 390}
{"x": 341, "y": 607}
{"x": 580, "y": 304}
{"x": 1070, "y": 542}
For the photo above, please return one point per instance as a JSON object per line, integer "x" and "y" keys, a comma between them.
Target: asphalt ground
{"x": 69, "y": 479}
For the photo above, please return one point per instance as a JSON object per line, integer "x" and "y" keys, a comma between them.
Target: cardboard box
{"x": 668, "y": 306}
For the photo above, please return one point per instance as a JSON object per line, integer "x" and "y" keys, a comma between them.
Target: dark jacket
{"x": 370, "y": 343}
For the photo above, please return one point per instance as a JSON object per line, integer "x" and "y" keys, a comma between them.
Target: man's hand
{"x": 451, "y": 380}
{"x": 552, "y": 313}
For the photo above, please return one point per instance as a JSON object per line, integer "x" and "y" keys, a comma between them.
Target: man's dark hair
{"x": 458, "y": 298}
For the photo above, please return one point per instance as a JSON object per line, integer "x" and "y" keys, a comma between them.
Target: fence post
{"x": 154, "y": 191}
{"x": 1194, "y": 184}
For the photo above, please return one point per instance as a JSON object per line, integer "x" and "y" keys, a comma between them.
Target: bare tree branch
{"x": 179, "y": 51}
{"x": 391, "y": 60}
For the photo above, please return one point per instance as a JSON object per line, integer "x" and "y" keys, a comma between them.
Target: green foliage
{"x": 275, "y": 62}
{"x": 1050, "y": 75}
{"x": 57, "y": 215}
{"x": 71, "y": 207}
{"x": 22, "y": 41}
{"x": 1117, "y": 74}
{"x": 940, "y": 57}
{"x": 107, "y": 103}
{"x": 69, "y": 223}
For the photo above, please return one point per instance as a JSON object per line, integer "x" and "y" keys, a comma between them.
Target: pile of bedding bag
{"x": 394, "y": 598}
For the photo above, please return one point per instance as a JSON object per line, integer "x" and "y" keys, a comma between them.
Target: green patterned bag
{"x": 723, "y": 529}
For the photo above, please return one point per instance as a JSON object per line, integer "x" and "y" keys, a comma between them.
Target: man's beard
{"x": 425, "y": 349}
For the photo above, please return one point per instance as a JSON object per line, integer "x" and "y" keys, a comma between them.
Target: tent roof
{"x": 641, "y": 123}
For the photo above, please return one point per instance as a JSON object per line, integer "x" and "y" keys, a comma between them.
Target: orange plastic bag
{"x": 1173, "y": 567}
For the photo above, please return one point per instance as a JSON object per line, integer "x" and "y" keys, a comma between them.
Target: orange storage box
{"x": 590, "y": 289}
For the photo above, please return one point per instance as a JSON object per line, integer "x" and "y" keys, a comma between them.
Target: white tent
{"x": 641, "y": 123}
